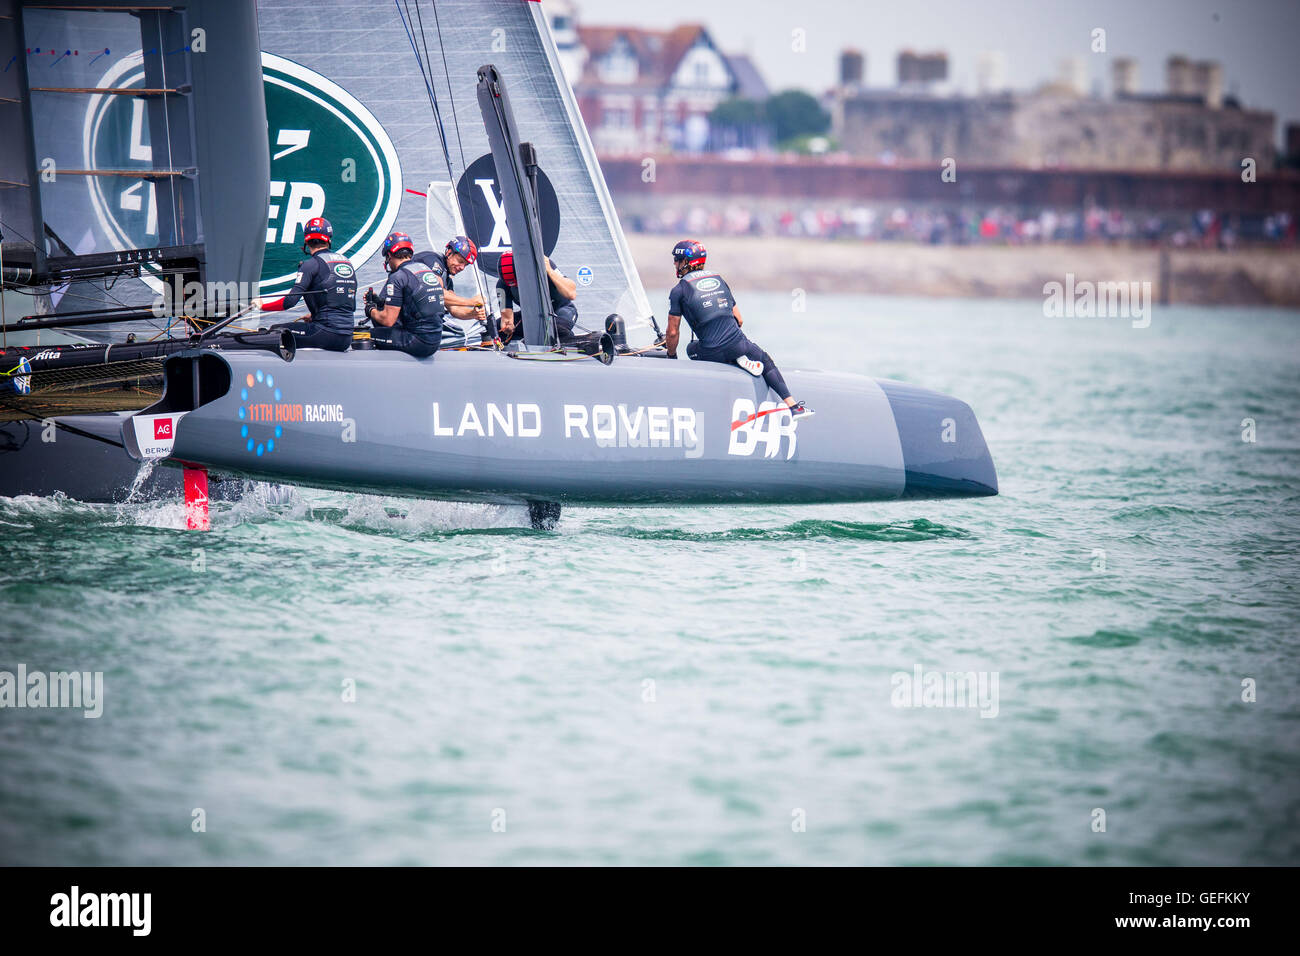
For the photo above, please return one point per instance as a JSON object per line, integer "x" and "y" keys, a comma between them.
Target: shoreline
{"x": 781, "y": 264}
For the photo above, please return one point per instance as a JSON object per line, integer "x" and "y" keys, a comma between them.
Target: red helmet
{"x": 463, "y": 246}
{"x": 398, "y": 240}
{"x": 318, "y": 230}
{"x": 691, "y": 252}
{"x": 508, "y": 269}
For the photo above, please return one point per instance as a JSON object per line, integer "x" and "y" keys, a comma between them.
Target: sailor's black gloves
{"x": 372, "y": 301}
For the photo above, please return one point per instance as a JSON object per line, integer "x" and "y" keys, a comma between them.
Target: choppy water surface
{"x": 660, "y": 686}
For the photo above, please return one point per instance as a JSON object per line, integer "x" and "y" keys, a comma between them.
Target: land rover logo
{"x": 329, "y": 157}
{"x": 707, "y": 285}
{"x": 429, "y": 279}
{"x": 479, "y": 193}
{"x": 315, "y": 127}
{"x": 343, "y": 270}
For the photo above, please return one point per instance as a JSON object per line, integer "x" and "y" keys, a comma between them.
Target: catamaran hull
{"x": 88, "y": 464}
{"x": 479, "y": 426}
{"x": 86, "y": 461}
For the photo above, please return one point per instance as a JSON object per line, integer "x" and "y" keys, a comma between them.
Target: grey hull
{"x": 479, "y": 426}
{"x": 85, "y": 461}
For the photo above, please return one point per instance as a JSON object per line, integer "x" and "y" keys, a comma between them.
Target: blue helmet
{"x": 318, "y": 230}
{"x": 396, "y": 241}
{"x": 464, "y": 247}
{"x": 691, "y": 252}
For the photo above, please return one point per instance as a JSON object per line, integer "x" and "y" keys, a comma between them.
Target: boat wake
{"x": 918, "y": 529}
{"x": 262, "y": 501}
{"x": 410, "y": 516}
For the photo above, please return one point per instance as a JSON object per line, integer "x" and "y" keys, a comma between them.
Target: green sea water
{"x": 342, "y": 679}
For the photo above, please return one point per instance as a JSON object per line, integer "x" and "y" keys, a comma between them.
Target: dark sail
{"x": 138, "y": 147}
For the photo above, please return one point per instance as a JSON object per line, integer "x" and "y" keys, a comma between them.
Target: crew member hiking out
{"x": 459, "y": 253}
{"x": 563, "y": 293}
{"x": 704, "y": 299}
{"x": 327, "y": 284}
{"x": 409, "y": 318}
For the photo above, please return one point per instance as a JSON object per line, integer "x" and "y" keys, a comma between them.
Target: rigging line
{"x": 107, "y": 289}
{"x": 171, "y": 324}
{"x": 427, "y": 75}
{"x": 428, "y": 81}
{"x": 648, "y": 348}
{"x": 50, "y": 286}
{"x": 551, "y": 355}
{"x": 446, "y": 72}
{"x": 9, "y": 228}
{"x": 51, "y": 289}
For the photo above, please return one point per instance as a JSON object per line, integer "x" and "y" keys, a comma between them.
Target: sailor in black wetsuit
{"x": 563, "y": 293}
{"x": 327, "y": 285}
{"x": 410, "y": 316}
{"x": 459, "y": 253}
{"x": 704, "y": 299}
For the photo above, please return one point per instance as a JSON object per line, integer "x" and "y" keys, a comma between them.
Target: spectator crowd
{"x": 999, "y": 225}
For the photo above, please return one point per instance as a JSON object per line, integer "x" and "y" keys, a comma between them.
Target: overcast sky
{"x": 1257, "y": 41}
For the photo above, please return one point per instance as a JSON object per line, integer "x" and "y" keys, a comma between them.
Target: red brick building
{"x": 646, "y": 91}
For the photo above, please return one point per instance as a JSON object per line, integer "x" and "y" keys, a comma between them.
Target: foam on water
{"x": 260, "y": 502}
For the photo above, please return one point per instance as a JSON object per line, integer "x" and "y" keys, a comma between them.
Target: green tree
{"x": 795, "y": 113}
{"x": 737, "y": 112}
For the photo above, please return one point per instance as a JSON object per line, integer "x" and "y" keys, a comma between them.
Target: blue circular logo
{"x": 257, "y": 438}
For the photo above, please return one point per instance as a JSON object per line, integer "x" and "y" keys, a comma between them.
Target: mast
{"x": 516, "y": 167}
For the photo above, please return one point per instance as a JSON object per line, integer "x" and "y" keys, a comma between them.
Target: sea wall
{"x": 1195, "y": 276}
